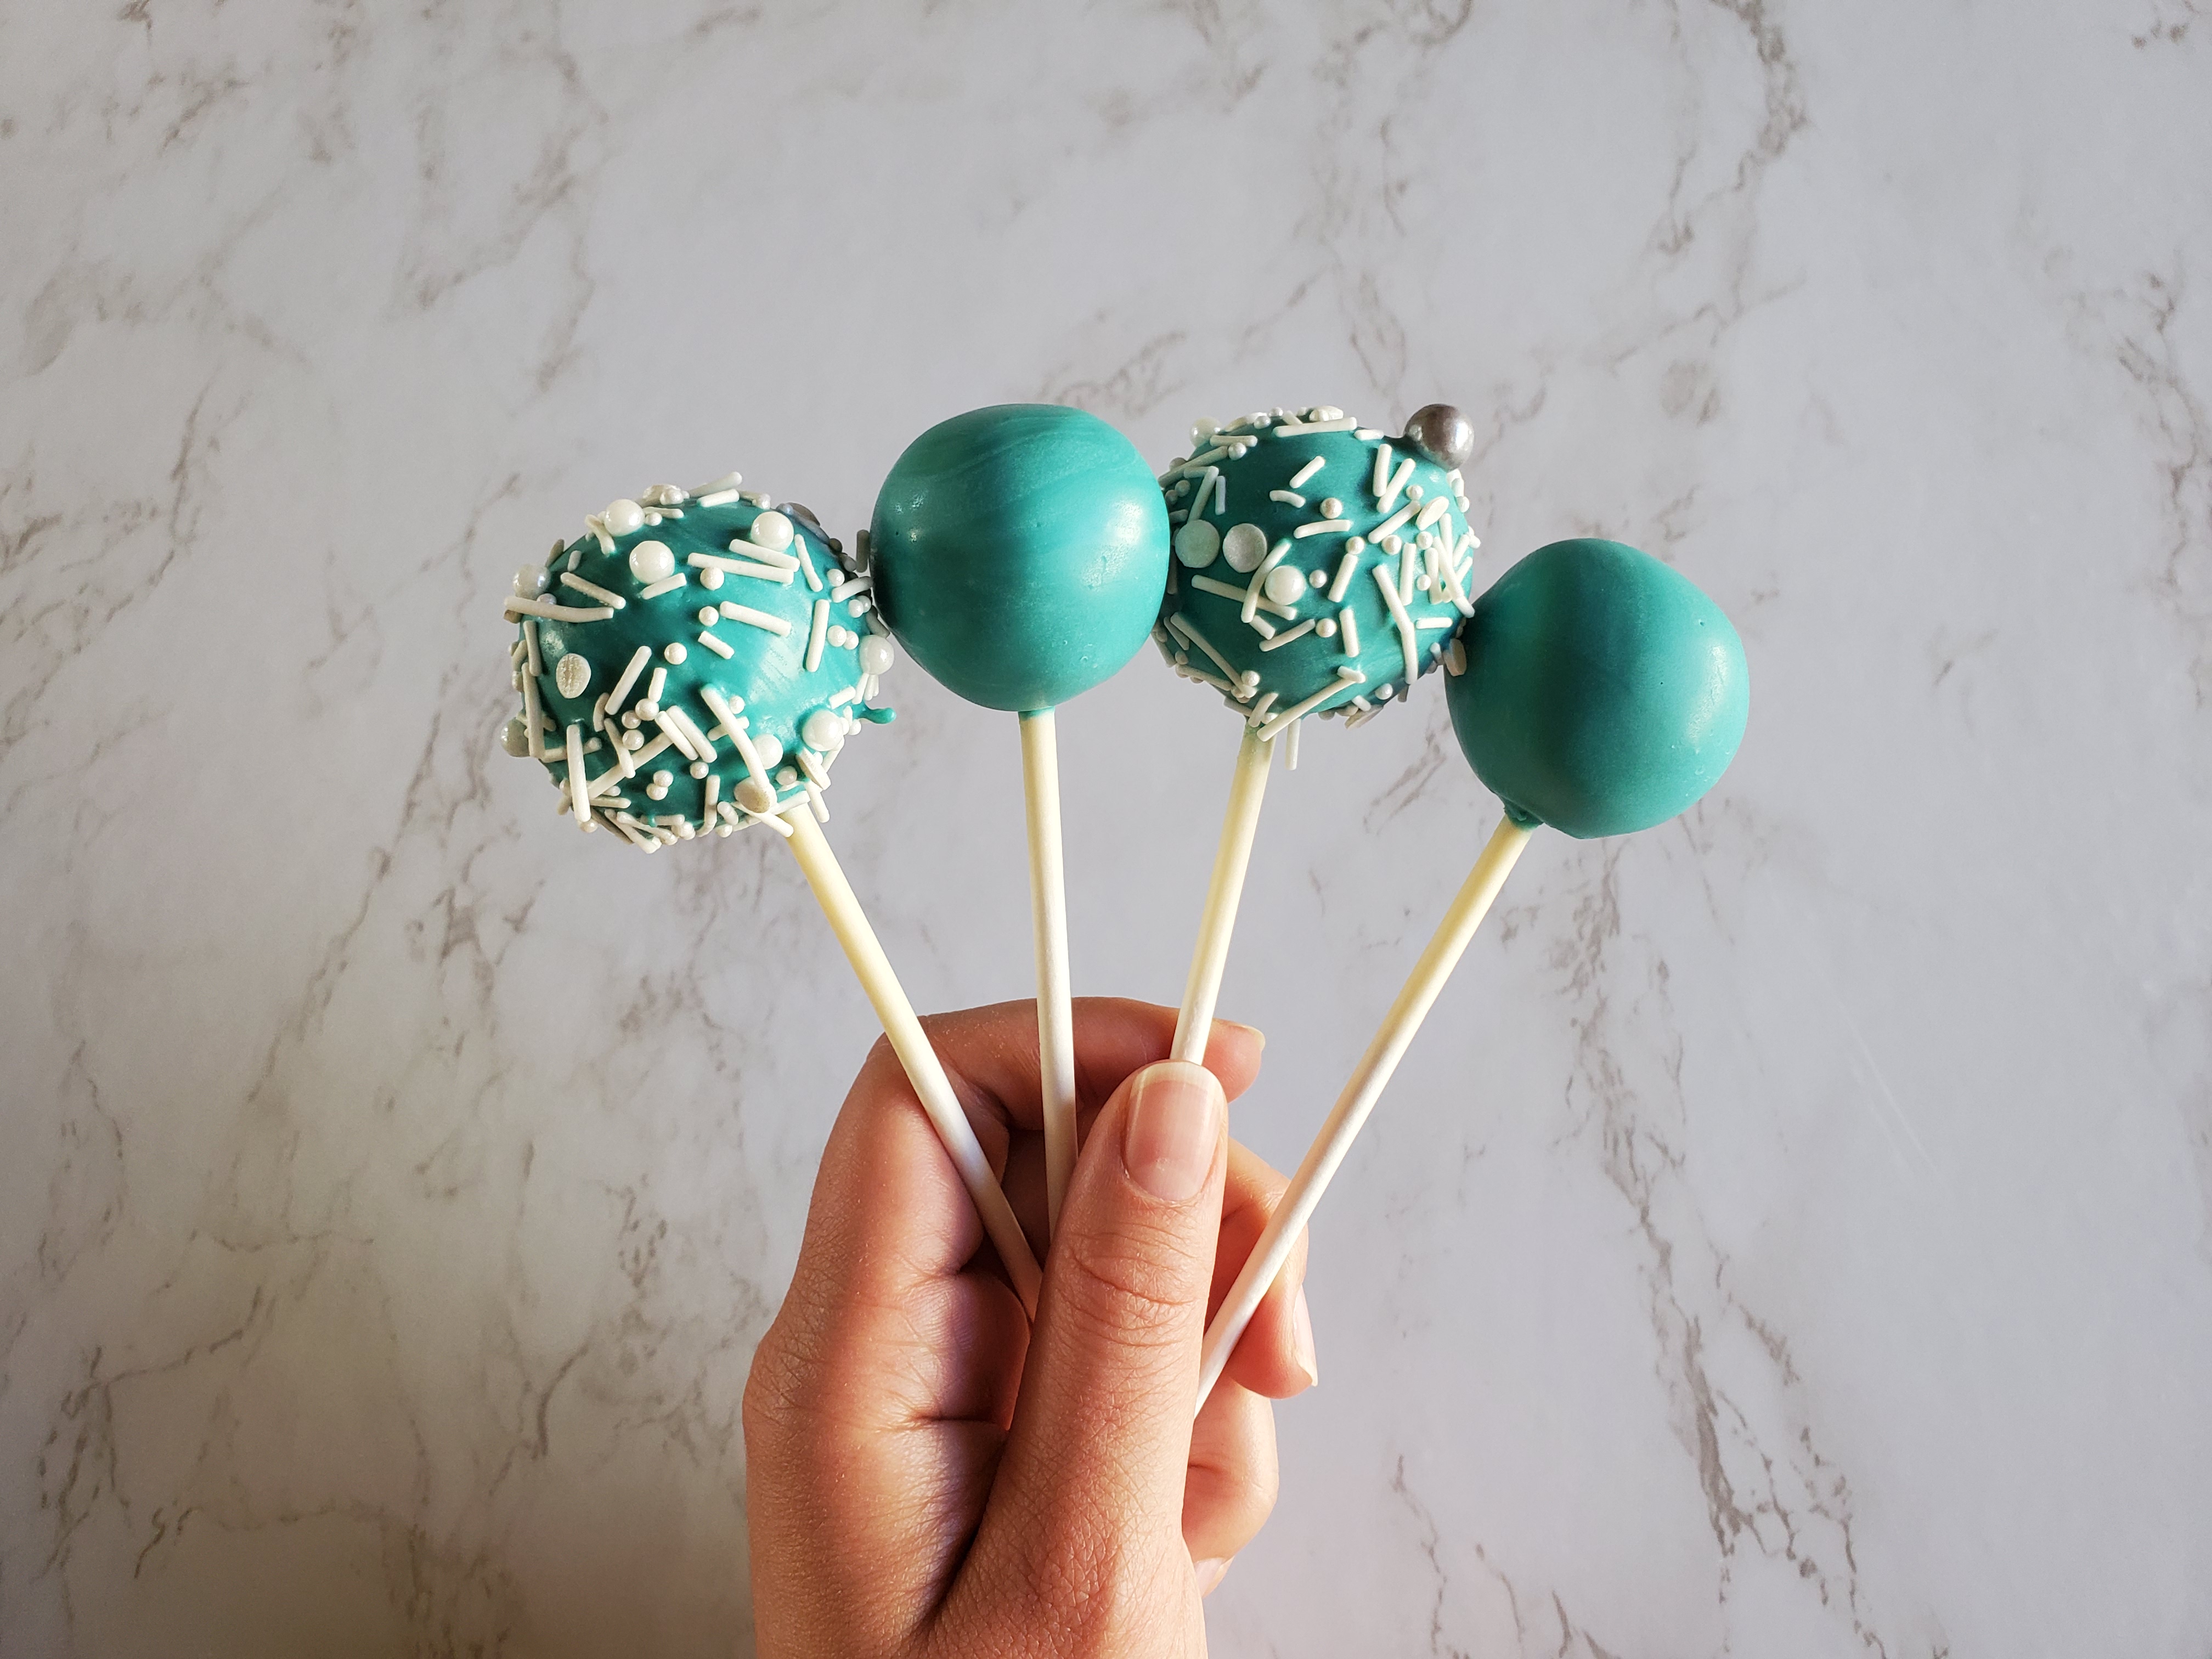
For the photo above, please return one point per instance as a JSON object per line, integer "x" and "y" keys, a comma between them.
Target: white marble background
{"x": 1792, "y": 1235}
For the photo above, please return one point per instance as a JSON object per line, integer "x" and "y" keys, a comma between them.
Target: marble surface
{"x": 1792, "y": 1235}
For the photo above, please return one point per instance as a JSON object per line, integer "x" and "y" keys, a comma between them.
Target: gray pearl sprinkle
{"x": 1443, "y": 434}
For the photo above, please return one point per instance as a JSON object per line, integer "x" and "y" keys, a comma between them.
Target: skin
{"x": 926, "y": 1473}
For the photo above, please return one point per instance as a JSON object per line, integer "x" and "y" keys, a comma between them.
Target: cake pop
{"x": 1321, "y": 568}
{"x": 1019, "y": 553}
{"x": 1604, "y": 693}
{"x": 712, "y": 652}
{"x": 717, "y": 651}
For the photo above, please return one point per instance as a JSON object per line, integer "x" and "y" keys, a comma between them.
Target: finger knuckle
{"x": 764, "y": 1406}
{"x": 881, "y": 1058}
{"x": 777, "y": 1401}
{"x": 1250, "y": 1489}
{"x": 1141, "y": 1285}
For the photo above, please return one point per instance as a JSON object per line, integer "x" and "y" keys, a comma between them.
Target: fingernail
{"x": 1257, "y": 1035}
{"x": 1302, "y": 1336}
{"x": 1170, "y": 1141}
{"x": 1211, "y": 1573}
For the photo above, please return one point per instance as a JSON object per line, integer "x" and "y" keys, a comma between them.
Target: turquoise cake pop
{"x": 1604, "y": 694}
{"x": 1321, "y": 567}
{"x": 695, "y": 661}
{"x": 1019, "y": 553}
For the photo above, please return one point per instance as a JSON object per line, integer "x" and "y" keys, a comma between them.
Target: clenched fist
{"x": 929, "y": 1475}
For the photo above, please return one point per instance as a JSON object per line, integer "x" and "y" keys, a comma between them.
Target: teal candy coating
{"x": 1019, "y": 552}
{"x": 765, "y": 677}
{"x": 1604, "y": 692}
{"x": 1308, "y": 666}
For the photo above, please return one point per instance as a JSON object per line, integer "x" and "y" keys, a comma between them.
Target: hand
{"x": 927, "y": 1474}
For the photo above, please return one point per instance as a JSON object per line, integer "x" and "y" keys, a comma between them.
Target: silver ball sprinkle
{"x": 1443, "y": 434}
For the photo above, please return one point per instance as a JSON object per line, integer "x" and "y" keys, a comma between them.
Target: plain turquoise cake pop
{"x": 703, "y": 654}
{"x": 1604, "y": 692}
{"x": 1321, "y": 566}
{"x": 1019, "y": 553}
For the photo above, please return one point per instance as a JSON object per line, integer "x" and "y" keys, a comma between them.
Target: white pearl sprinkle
{"x": 1198, "y": 544}
{"x": 673, "y": 651}
{"x": 697, "y": 769}
{"x": 875, "y": 655}
{"x": 772, "y": 530}
{"x": 650, "y": 562}
{"x": 1245, "y": 546}
{"x": 1284, "y": 585}
{"x": 622, "y": 517}
{"x": 823, "y": 729}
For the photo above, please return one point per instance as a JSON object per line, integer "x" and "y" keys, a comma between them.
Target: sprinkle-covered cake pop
{"x": 1021, "y": 550}
{"x": 1321, "y": 567}
{"x": 1604, "y": 692}
{"x": 694, "y": 661}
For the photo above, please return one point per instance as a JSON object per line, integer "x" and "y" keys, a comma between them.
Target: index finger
{"x": 990, "y": 1055}
{"x": 888, "y": 1212}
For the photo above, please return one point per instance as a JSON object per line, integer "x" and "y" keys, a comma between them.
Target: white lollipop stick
{"x": 1361, "y": 1091}
{"x": 1248, "y": 786}
{"x": 1048, "y": 915}
{"x": 835, "y": 894}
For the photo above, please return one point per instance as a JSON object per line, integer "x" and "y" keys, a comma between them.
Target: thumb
{"x": 1094, "y": 1468}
